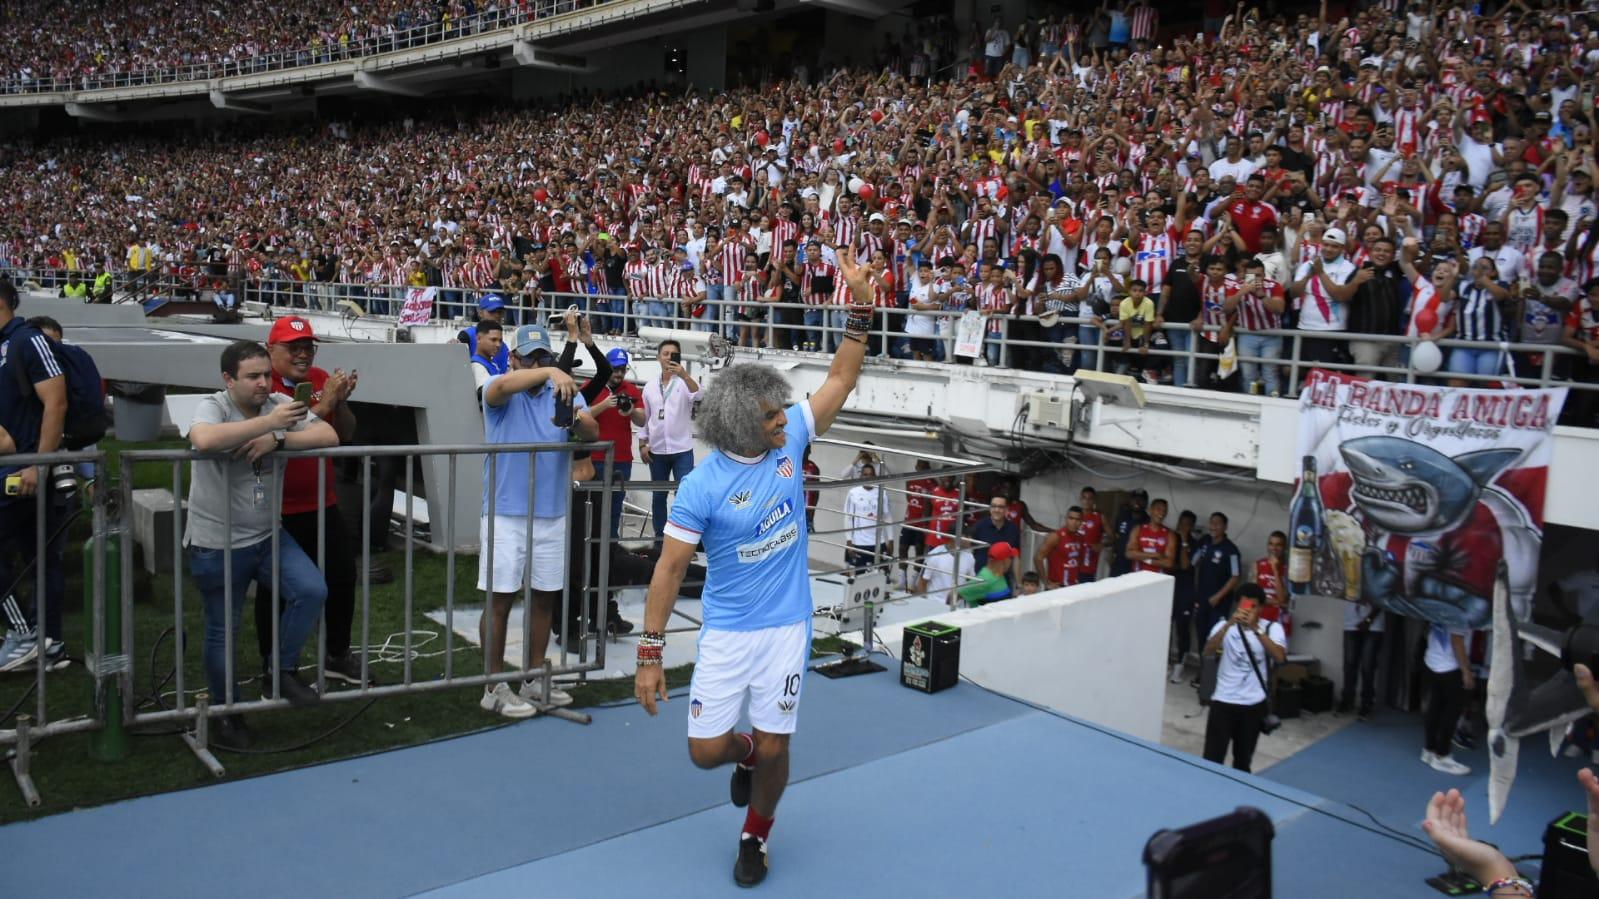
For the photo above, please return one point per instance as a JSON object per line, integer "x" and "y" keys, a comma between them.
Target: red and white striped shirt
{"x": 1252, "y": 312}
{"x": 1144, "y": 19}
{"x": 638, "y": 277}
{"x": 845, "y": 230}
{"x": 979, "y": 230}
{"x": 1154, "y": 258}
{"x": 817, "y": 268}
{"x": 782, "y": 232}
{"x": 732, "y": 260}
{"x": 994, "y": 299}
{"x": 1213, "y": 308}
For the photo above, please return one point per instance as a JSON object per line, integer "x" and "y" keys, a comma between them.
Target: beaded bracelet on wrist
{"x": 1520, "y": 883}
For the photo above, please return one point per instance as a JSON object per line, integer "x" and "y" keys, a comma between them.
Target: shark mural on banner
{"x": 1428, "y": 502}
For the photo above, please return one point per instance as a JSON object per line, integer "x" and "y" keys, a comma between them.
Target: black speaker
{"x": 1566, "y": 873}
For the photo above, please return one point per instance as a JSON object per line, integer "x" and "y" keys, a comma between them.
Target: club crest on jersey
{"x": 694, "y": 708}
{"x": 785, "y": 468}
{"x": 741, "y": 499}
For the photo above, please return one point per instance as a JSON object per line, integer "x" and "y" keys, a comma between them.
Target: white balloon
{"x": 855, "y": 185}
{"x": 1426, "y": 357}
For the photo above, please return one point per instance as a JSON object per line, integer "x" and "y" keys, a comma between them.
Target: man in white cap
{"x": 1322, "y": 288}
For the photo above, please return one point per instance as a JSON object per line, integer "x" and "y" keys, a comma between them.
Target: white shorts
{"x": 768, "y": 664}
{"x": 511, "y": 553}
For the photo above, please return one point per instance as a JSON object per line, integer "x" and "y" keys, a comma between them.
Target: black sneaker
{"x": 614, "y": 623}
{"x": 743, "y": 777}
{"x": 290, "y": 687}
{"x": 1465, "y": 740}
{"x": 1365, "y": 713}
{"x": 346, "y": 668}
{"x": 750, "y": 869}
{"x": 230, "y": 732}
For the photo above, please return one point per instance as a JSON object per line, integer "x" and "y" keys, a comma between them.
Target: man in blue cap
{"x": 618, "y": 408}
{"x": 529, "y": 544}
{"x": 489, "y": 308}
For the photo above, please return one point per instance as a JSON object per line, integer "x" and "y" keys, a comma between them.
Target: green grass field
{"x": 67, "y": 777}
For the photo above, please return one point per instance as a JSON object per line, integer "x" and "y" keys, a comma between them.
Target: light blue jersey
{"x": 527, "y": 418}
{"x": 750, "y": 514}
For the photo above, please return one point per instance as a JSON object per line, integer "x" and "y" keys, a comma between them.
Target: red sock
{"x": 756, "y": 826}
{"x": 748, "y": 760}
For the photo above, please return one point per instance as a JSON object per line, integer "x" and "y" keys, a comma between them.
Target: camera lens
{"x": 63, "y": 478}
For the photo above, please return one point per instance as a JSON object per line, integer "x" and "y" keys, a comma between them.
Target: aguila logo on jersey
{"x": 774, "y": 517}
{"x": 741, "y": 499}
{"x": 785, "y": 468}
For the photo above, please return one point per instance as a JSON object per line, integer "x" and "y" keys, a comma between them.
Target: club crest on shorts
{"x": 741, "y": 499}
{"x": 694, "y": 708}
{"x": 785, "y": 468}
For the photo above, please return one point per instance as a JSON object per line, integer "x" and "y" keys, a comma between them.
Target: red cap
{"x": 1002, "y": 551}
{"x": 289, "y": 329}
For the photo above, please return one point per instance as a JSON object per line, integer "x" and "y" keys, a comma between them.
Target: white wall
{"x": 1094, "y": 651}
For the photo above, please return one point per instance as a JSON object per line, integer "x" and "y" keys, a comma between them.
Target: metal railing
{"x": 53, "y": 512}
{"x": 111, "y": 609}
{"x": 314, "y": 53}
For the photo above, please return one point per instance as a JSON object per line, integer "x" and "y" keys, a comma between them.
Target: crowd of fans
{"x": 106, "y": 44}
{"x": 1361, "y": 181}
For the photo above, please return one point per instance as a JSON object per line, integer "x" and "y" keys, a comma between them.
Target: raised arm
{"x": 845, "y": 372}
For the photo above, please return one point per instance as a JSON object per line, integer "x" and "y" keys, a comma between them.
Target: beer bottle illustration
{"x": 1304, "y": 529}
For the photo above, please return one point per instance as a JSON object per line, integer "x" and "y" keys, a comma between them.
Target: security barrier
{"x": 116, "y": 660}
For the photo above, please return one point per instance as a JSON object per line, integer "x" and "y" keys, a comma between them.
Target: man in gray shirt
{"x": 233, "y": 511}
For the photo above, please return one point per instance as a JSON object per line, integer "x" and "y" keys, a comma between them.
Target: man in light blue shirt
{"x": 521, "y": 406}
{"x": 746, "y": 503}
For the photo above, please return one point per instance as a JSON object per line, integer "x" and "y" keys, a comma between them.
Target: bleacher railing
{"x": 805, "y": 327}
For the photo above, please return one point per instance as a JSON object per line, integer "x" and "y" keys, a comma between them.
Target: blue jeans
{"x": 838, "y": 317}
{"x": 1087, "y": 336}
{"x": 658, "y": 313}
{"x": 1181, "y": 341}
{"x": 899, "y": 344}
{"x": 300, "y": 588}
{"x": 813, "y": 326}
{"x": 992, "y": 349}
{"x": 1474, "y": 361}
{"x": 678, "y": 465}
{"x": 624, "y": 471}
{"x": 1261, "y": 346}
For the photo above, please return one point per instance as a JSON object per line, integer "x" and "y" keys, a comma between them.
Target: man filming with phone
{"x": 1238, "y": 706}
{"x": 292, "y": 348}
{"x": 666, "y": 442}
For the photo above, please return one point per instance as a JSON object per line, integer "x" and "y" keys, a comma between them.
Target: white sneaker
{"x": 558, "y": 697}
{"x": 502, "y": 700}
{"x": 1176, "y": 674}
{"x": 1449, "y": 766}
{"x": 18, "y": 650}
{"x": 1428, "y": 757}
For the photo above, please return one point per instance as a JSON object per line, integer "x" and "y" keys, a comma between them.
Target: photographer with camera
{"x": 1239, "y": 712}
{"x": 33, "y": 412}
{"x": 618, "y": 409}
{"x": 666, "y": 443}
